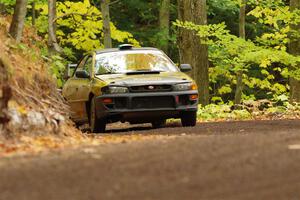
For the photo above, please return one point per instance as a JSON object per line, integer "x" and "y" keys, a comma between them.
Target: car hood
{"x": 145, "y": 79}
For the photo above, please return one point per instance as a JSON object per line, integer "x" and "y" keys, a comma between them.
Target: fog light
{"x": 193, "y": 97}
{"x": 107, "y": 101}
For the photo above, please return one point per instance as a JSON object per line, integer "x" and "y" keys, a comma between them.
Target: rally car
{"x": 127, "y": 84}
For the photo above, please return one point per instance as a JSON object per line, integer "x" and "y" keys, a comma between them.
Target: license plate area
{"x": 153, "y": 102}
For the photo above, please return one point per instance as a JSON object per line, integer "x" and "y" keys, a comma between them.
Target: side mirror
{"x": 185, "y": 67}
{"x": 82, "y": 74}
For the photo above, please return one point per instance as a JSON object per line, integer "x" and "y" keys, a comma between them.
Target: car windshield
{"x": 133, "y": 61}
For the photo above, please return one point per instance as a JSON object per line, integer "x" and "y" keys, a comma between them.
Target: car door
{"x": 76, "y": 91}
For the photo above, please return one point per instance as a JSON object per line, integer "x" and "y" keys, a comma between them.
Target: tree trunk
{"x": 295, "y": 50}
{"x": 164, "y": 24}
{"x": 33, "y": 13}
{"x": 191, "y": 50}
{"x": 239, "y": 88}
{"x": 184, "y": 36}
{"x": 53, "y": 45}
{"x": 106, "y": 23}
{"x": 17, "y": 24}
{"x": 239, "y": 74}
{"x": 2, "y": 9}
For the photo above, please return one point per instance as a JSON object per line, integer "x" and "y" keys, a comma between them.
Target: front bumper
{"x": 145, "y": 107}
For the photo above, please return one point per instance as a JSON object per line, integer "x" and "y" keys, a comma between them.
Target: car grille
{"x": 150, "y": 88}
{"x": 152, "y": 102}
{"x": 120, "y": 103}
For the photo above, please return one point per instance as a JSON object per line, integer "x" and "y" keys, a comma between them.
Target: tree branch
{"x": 114, "y": 2}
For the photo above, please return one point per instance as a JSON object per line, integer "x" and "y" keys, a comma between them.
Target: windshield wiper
{"x": 143, "y": 72}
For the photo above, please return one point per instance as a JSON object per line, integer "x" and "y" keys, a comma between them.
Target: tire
{"x": 96, "y": 125}
{"x": 77, "y": 125}
{"x": 159, "y": 123}
{"x": 189, "y": 118}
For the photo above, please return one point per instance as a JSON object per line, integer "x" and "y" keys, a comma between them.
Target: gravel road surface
{"x": 212, "y": 161}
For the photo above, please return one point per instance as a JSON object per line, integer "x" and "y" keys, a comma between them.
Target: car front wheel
{"x": 96, "y": 125}
{"x": 189, "y": 118}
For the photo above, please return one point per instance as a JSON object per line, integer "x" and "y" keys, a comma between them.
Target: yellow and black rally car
{"x": 127, "y": 84}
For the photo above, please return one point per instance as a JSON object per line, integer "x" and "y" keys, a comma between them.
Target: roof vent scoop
{"x": 125, "y": 47}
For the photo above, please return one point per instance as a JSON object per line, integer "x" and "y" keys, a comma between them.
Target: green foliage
{"x": 230, "y": 54}
{"x": 57, "y": 69}
{"x": 79, "y": 30}
{"x": 141, "y": 18}
{"x": 80, "y": 26}
{"x": 214, "y": 112}
{"x": 279, "y": 19}
{"x": 224, "y": 11}
{"x": 262, "y": 58}
{"x": 9, "y": 4}
{"x": 263, "y": 109}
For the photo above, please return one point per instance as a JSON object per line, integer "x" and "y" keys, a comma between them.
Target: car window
{"x": 85, "y": 64}
{"x": 131, "y": 61}
{"x": 88, "y": 64}
{"x": 81, "y": 64}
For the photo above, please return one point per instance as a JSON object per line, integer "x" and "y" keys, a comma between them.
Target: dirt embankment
{"x": 29, "y": 100}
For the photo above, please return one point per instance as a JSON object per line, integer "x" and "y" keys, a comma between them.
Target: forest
{"x": 140, "y": 133}
{"x": 242, "y": 51}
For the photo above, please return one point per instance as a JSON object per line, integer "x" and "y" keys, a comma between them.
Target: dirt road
{"x": 231, "y": 160}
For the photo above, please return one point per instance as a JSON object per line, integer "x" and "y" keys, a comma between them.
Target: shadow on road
{"x": 125, "y": 128}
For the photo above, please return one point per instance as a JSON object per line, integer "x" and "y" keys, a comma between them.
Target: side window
{"x": 80, "y": 65}
{"x": 88, "y": 64}
{"x": 85, "y": 65}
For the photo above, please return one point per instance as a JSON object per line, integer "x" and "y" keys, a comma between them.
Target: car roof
{"x": 117, "y": 49}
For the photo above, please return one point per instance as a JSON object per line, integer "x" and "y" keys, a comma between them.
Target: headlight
{"x": 185, "y": 86}
{"x": 115, "y": 90}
